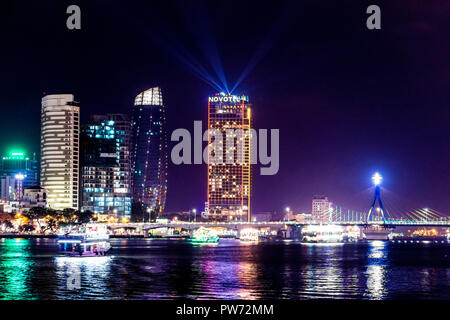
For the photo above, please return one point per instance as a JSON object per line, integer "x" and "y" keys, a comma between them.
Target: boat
{"x": 322, "y": 233}
{"x": 93, "y": 242}
{"x": 168, "y": 233}
{"x": 249, "y": 234}
{"x": 377, "y": 232}
{"x": 205, "y": 235}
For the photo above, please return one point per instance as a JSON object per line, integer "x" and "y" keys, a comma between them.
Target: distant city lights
{"x": 20, "y": 176}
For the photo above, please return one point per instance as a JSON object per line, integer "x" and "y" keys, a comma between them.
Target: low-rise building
{"x": 35, "y": 197}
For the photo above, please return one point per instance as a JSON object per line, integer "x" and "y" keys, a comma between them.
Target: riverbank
{"x": 27, "y": 236}
{"x": 54, "y": 236}
{"x": 126, "y": 236}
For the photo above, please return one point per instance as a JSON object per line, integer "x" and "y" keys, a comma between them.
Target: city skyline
{"x": 340, "y": 128}
{"x": 224, "y": 158}
{"x": 65, "y": 101}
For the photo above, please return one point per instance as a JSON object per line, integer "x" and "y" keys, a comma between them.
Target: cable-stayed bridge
{"x": 393, "y": 210}
{"x": 414, "y": 217}
{"x": 387, "y": 213}
{"x": 342, "y": 220}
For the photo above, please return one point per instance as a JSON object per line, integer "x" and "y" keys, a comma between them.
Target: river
{"x": 171, "y": 269}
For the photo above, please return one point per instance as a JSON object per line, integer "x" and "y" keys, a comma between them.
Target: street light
{"x": 20, "y": 176}
{"x": 195, "y": 214}
{"x": 287, "y": 211}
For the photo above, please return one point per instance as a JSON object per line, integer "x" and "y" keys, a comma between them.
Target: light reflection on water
{"x": 376, "y": 270}
{"x": 149, "y": 269}
{"x": 93, "y": 273}
{"x": 247, "y": 274}
{"x": 323, "y": 278}
{"x": 16, "y": 267}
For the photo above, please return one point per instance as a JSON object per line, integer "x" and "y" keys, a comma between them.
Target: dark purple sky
{"x": 348, "y": 101}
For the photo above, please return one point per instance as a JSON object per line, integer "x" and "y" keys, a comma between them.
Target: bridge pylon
{"x": 376, "y": 178}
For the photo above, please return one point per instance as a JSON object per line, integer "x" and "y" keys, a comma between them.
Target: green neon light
{"x": 15, "y": 154}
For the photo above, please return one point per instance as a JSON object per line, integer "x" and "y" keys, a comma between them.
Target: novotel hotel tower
{"x": 230, "y": 182}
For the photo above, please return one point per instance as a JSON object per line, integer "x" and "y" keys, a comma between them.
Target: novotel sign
{"x": 231, "y": 98}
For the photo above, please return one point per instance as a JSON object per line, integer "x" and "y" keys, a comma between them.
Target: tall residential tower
{"x": 106, "y": 165}
{"x": 149, "y": 152}
{"x": 229, "y": 183}
{"x": 60, "y": 118}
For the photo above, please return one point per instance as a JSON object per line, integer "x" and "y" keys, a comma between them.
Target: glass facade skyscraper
{"x": 106, "y": 181}
{"x": 149, "y": 152}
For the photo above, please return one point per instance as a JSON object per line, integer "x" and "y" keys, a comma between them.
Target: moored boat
{"x": 205, "y": 235}
{"x": 249, "y": 235}
{"x": 376, "y": 232}
{"x": 94, "y": 241}
{"x": 322, "y": 233}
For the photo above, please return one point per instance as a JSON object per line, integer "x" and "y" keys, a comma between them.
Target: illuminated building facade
{"x": 320, "y": 209}
{"x": 149, "y": 152}
{"x": 60, "y": 119}
{"x": 9, "y": 188}
{"x": 18, "y": 163}
{"x": 229, "y": 182}
{"x": 106, "y": 165}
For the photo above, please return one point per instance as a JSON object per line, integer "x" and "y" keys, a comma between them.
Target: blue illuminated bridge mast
{"x": 377, "y": 178}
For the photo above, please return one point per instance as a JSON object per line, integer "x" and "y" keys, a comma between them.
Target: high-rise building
{"x": 60, "y": 118}
{"x": 149, "y": 152}
{"x": 106, "y": 165}
{"x": 229, "y": 183}
{"x": 17, "y": 162}
{"x": 320, "y": 209}
{"x": 9, "y": 188}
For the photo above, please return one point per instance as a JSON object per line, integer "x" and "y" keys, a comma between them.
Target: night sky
{"x": 348, "y": 101}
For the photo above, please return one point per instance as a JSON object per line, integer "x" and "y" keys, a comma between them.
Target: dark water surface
{"x": 158, "y": 269}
